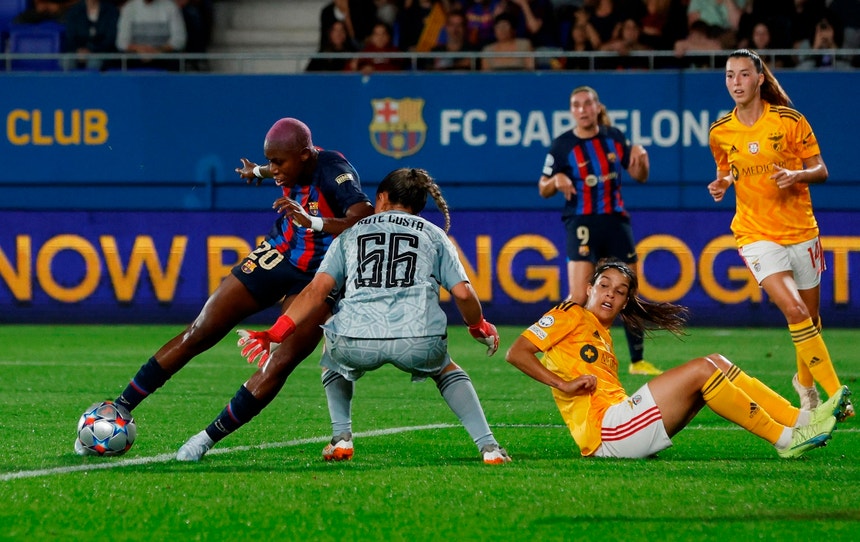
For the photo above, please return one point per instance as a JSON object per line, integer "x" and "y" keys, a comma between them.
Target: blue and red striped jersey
{"x": 596, "y": 166}
{"x": 333, "y": 189}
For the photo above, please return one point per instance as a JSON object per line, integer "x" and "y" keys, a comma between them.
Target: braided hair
{"x": 409, "y": 187}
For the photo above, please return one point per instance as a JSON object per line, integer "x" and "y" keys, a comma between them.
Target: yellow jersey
{"x": 574, "y": 343}
{"x": 763, "y": 211}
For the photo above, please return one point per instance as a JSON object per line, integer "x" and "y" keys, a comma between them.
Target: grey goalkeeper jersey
{"x": 392, "y": 265}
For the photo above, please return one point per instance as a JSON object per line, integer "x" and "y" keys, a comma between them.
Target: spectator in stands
{"x": 44, "y": 11}
{"x": 653, "y": 23}
{"x": 582, "y": 20}
{"x": 825, "y": 39}
{"x": 758, "y": 33}
{"x": 676, "y": 28}
{"x": 337, "y": 41}
{"x": 760, "y": 40}
{"x": 148, "y": 28}
{"x": 803, "y": 18}
{"x": 480, "y": 17}
{"x": 848, "y": 12}
{"x": 455, "y": 42}
{"x": 358, "y": 15}
{"x": 535, "y": 20}
{"x": 507, "y": 42}
{"x": 603, "y": 17}
{"x": 387, "y": 11}
{"x": 91, "y": 27}
{"x": 580, "y": 42}
{"x": 698, "y": 39}
{"x": 420, "y": 18}
{"x": 626, "y": 40}
{"x": 198, "y": 16}
{"x": 722, "y": 17}
{"x": 379, "y": 41}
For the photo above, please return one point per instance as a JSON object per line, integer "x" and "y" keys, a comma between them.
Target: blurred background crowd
{"x": 371, "y": 29}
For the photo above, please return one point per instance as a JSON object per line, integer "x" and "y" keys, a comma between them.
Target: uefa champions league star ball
{"x": 107, "y": 428}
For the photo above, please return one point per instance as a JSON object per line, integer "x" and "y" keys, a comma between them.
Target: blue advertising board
{"x": 162, "y": 141}
{"x": 139, "y": 266}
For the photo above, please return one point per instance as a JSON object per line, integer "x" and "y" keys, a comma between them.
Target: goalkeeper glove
{"x": 257, "y": 345}
{"x": 485, "y": 333}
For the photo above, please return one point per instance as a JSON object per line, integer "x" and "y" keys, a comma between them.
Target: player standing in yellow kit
{"x": 768, "y": 151}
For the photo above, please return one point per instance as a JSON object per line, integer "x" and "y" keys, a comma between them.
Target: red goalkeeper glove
{"x": 485, "y": 333}
{"x": 257, "y": 346}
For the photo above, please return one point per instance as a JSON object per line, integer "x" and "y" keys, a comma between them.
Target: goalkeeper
{"x": 391, "y": 265}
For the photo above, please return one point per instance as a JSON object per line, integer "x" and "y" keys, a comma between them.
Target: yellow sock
{"x": 812, "y": 350}
{"x": 774, "y": 404}
{"x": 733, "y": 404}
{"x": 804, "y": 377}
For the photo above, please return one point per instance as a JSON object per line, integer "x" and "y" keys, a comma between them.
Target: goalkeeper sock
{"x": 338, "y": 393}
{"x": 149, "y": 378}
{"x": 812, "y": 350}
{"x": 457, "y": 390}
{"x": 733, "y": 404}
{"x": 804, "y": 377}
{"x": 239, "y": 411}
{"x": 776, "y": 405}
{"x": 635, "y": 344}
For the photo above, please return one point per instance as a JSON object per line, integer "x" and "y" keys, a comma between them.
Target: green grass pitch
{"x": 416, "y": 474}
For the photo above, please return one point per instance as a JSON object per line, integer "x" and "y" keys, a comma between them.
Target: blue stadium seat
{"x": 9, "y": 9}
{"x": 36, "y": 38}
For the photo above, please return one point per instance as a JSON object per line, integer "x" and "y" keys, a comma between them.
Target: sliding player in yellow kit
{"x": 570, "y": 350}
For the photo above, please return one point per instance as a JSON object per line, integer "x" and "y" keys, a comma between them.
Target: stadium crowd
{"x": 621, "y": 26}
{"x": 689, "y": 28}
{"x": 140, "y": 27}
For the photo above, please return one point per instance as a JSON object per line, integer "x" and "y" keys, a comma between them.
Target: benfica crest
{"x": 398, "y": 129}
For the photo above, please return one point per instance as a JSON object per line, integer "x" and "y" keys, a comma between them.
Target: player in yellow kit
{"x": 768, "y": 151}
{"x": 579, "y": 363}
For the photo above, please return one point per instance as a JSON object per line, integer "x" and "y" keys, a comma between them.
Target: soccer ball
{"x": 106, "y": 428}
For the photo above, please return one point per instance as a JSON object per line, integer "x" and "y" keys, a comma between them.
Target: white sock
{"x": 784, "y": 440}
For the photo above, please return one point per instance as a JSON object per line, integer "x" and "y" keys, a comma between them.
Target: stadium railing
{"x": 295, "y": 62}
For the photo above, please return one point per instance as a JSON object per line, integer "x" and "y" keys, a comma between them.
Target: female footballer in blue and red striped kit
{"x": 580, "y": 366}
{"x": 586, "y": 164}
{"x": 321, "y": 197}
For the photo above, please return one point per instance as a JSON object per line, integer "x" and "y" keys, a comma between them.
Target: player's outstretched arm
{"x": 470, "y": 307}
{"x": 256, "y": 346}
{"x": 253, "y": 173}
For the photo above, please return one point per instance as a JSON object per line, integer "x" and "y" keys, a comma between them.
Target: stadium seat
{"x": 45, "y": 38}
{"x": 9, "y": 9}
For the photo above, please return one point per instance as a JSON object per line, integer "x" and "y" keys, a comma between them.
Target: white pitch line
{"x": 164, "y": 458}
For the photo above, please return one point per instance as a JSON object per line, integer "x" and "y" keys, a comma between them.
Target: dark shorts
{"x": 269, "y": 275}
{"x": 592, "y": 237}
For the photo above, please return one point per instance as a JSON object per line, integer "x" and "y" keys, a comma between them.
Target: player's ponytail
{"x": 409, "y": 187}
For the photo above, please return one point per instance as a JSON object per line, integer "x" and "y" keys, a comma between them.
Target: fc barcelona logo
{"x": 398, "y": 129}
